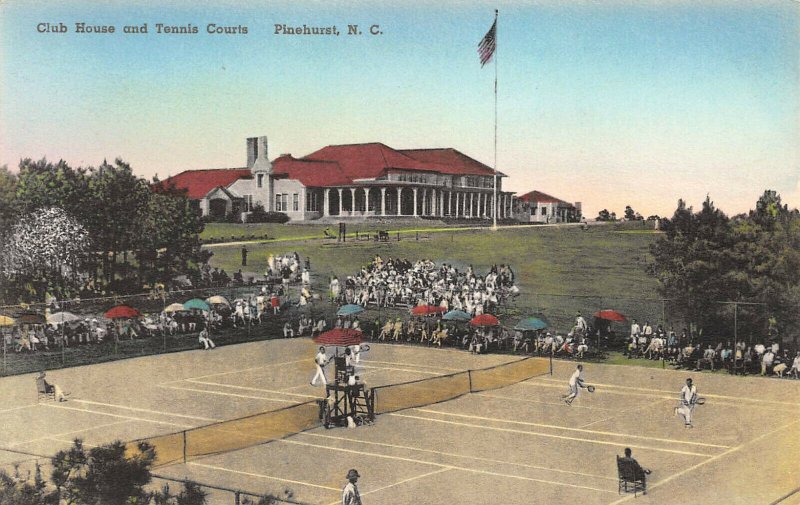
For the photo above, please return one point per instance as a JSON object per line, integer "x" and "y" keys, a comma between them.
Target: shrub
{"x": 258, "y": 215}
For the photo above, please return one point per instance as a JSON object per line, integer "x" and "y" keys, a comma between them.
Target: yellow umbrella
{"x": 7, "y": 321}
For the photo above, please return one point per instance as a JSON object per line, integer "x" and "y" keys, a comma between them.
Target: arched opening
{"x": 374, "y": 200}
{"x": 347, "y": 201}
{"x": 361, "y": 200}
{"x": 333, "y": 202}
{"x": 407, "y": 202}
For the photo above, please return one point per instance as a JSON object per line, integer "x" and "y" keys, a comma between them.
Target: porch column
{"x": 415, "y": 202}
{"x": 449, "y": 203}
{"x": 399, "y": 202}
{"x": 340, "y": 202}
{"x": 383, "y": 201}
{"x": 325, "y": 202}
{"x": 352, "y": 201}
{"x": 424, "y": 202}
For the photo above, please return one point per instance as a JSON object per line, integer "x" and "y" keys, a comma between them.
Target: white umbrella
{"x": 217, "y": 299}
{"x": 62, "y": 317}
{"x": 175, "y": 307}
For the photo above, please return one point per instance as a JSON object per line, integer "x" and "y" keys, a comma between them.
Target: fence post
{"x": 236, "y": 498}
{"x": 469, "y": 374}
{"x": 551, "y": 360}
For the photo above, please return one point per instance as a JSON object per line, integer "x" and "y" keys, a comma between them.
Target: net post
{"x": 184, "y": 446}
{"x": 237, "y": 498}
{"x": 469, "y": 375}
{"x": 551, "y": 361}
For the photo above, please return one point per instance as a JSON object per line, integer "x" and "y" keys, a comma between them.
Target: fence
{"x": 68, "y": 347}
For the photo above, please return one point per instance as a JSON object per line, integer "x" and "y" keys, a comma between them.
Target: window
{"x": 295, "y": 202}
{"x": 544, "y": 211}
{"x": 312, "y": 201}
{"x": 260, "y": 179}
{"x": 281, "y": 202}
{"x": 247, "y": 203}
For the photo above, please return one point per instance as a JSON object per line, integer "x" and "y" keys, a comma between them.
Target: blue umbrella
{"x": 531, "y": 324}
{"x": 196, "y": 303}
{"x": 456, "y": 315}
{"x": 349, "y": 310}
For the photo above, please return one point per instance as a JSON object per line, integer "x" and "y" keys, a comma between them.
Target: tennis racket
{"x": 590, "y": 389}
{"x": 700, "y": 401}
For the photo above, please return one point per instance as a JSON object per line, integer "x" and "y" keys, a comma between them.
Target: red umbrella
{"x": 485, "y": 320}
{"x": 610, "y": 315}
{"x": 122, "y": 312}
{"x": 426, "y": 310}
{"x": 340, "y": 336}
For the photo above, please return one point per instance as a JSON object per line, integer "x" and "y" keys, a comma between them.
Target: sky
{"x": 607, "y": 103}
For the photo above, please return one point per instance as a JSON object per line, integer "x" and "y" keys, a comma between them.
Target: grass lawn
{"x": 559, "y": 270}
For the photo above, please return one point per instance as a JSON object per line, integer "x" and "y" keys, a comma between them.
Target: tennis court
{"x": 516, "y": 444}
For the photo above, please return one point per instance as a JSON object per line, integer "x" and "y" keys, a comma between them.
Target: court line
{"x": 248, "y": 388}
{"x": 548, "y": 435}
{"x": 454, "y": 455}
{"x": 68, "y": 433}
{"x": 440, "y": 470}
{"x": 399, "y": 369}
{"x": 250, "y": 474}
{"x": 451, "y": 467}
{"x": 116, "y": 415}
{"x": 19, "y": 408}
{"x": 170, "y": 414}
{"x": 537, "y": 401}
{"x": 713, "y": 458}
{"x": 622, "y": 412}
{"x": 705, "y": 395}
{"x": 271, "y": 365}
{"x": 416, "y": 365}
{"x": 580, "y": 430}
{"x": 221, "y": 393}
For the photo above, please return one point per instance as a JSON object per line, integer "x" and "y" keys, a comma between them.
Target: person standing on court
{"x": 244, "y": 256}
{"x": 575, "y": 382}
{"x": 688, "y": 401}
{"x": 320, "y": 361}
{"x": 350, "y": 494}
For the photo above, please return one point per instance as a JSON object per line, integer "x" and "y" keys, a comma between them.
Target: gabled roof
{"x": 310, "y": 173}
{"x": 198, "y": 183}
{"x": 539, "y": 197}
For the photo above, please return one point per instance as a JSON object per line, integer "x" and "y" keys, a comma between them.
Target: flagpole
{"x": 494, "y": 206}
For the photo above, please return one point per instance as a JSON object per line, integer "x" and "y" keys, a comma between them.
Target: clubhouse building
{"x": 350, "y": 181}
{"x": 547, "y": 209}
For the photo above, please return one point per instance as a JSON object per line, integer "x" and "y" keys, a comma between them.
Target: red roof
{"x": 367, "y": 161}
{"x": 539, "y": 197}
{"x": 310, "y": 173}
{"x": 198, "y": 183}
{"x": 450, "y": 161}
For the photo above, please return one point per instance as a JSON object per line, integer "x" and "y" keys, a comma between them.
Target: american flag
{"x": 488, "y": 45}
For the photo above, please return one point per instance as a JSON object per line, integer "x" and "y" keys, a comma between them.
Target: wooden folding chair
{"x": 44, "y": 391}
{"x": 630, "y": 478}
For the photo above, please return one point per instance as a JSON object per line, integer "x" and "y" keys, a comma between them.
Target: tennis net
{"x": 257, "y": 429}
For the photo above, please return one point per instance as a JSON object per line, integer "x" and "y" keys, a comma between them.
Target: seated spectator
{"x": 205, "y": 339}
{"x": 795, "y": 370}
{"x": 55, "y": 389}
{"x": 708, "y": 358}
{"x": 288, "y": 332}
{"x": 639, "y": 473}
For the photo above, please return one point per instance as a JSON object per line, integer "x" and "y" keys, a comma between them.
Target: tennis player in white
{"x": 320, "y": 361}
{"x": 688, "y": 402}
{"x": 575, "y": 382}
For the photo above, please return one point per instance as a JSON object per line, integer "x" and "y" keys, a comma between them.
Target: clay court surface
{"x": 513, "y": 445}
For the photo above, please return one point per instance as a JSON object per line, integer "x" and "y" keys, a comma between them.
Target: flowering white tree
{"x": 47, "y": 244}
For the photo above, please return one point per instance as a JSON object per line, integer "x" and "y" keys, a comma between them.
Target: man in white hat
{"x": 320, "y": 361}
{"x": 350, "y": 495}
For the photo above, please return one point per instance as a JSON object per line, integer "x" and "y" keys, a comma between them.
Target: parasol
{"x": 456, "y": 315}
{"x": 196, "y": 304}
{"x": 531, "y": 324}
{"x": 340, "y": 337}
{"x": 174, "y": 307}
{"x": 349, "y": 310}
{"x": 426, "y": 310}
{"x": 122, "y": 312}
{"x": 217, "y": 299}
{"x": 484, "y": 320}
{"x": 610, "y": 315}
{"x": 62, "y": 317}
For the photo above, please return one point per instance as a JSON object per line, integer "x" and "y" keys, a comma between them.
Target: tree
{"x": 630, "y": 215}
{"x": 47, "y": 249}
{"x": 8, "y": 195}
{"x": 603, "y": 215}
{"x": 705, "y": 257}
{"x": 43, "y": 184}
